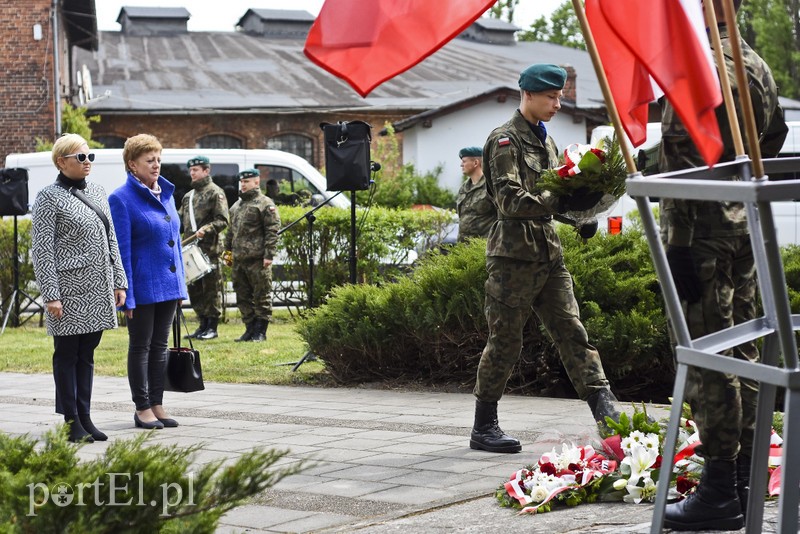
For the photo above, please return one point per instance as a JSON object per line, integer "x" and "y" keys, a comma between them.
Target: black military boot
{"x": 602, "y": 403}
{"x": 713, "y": 506}
{"x": 743, "y": 481}
{"x": 211, "y": 329}
{"x": 486, "y": 433}
{"x": 259, "y": 330}
{"x": 248, "y": 333}
{"x": 200, "y": 329}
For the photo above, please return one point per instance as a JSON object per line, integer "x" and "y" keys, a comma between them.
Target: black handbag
{"x": 347, "y": 164}
{"x": 183, "y": 371}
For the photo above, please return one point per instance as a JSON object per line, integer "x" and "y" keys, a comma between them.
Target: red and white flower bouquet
{"x": 589, "y": 169}
{"x": 624, "y": 467}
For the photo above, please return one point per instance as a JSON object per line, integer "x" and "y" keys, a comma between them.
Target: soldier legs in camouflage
{"x": 745, "y": 297}
{"x": 253, "y": 285}
{"x": 206, "y": 300}
{"x": 244, "y": 295}
{"x": 507, "y": 307}
{"x": 558, "y": 310}
{"x": 262, "y": 302}
{"x": 718, "y": 403}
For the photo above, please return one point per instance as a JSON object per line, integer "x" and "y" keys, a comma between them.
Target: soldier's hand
{"x": 588, "y": 230}
{"x": 227, "y": 257}
{"x": 580, "y": 200}
{"x": 684, "y": 273}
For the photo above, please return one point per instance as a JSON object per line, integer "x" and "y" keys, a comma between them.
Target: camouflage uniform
{"x": 723, "y": 406}
{"x": 253, "y": 237}
{"x": 476, "y": 213}
{"x": 211, "y": 216}
{"x": 525, "y": 265}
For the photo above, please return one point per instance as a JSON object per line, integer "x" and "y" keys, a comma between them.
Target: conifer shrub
{"x": 134, "y": 487}
{"x": 431, "y": 327}
{"x": 385, "y": 240}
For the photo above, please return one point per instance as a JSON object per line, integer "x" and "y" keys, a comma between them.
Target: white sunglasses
{"x": 81, "y": 157}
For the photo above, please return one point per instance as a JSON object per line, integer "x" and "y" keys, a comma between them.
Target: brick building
{"x": 31, "y": 32}
{"x": 254, "y": 88}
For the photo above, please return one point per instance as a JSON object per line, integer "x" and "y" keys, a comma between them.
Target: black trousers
{"x": 73, "y": 371}
{"x": 148, "y": 336}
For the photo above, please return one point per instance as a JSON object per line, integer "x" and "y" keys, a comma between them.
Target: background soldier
{"x": 279, "y": 198}
{"x": 204, "y": 215}
{"x": 525, "y": 263}
{"x": 476, "y": 213}
{"x": 711, "y": 259}
{"x": 251, "y": 243}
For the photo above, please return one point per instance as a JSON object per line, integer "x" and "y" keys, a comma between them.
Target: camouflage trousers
{"x": 205, "y": 293}
{"x": 252, "y": 283}
{"x": 723, "y": 405}
{"x": 513, "y": 289}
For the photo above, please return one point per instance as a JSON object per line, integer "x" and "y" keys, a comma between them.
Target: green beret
{"x": 471, "y": 152}
{"x": 542, "y": 77}
{"x": 198, "y": 160}
{"x": 249, "y": 173}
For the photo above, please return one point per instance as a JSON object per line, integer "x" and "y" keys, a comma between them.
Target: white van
{"x": 787, "y": 214}
{"x": 293, "y": 173}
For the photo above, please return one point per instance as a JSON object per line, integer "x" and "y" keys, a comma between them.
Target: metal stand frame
{"x": 13, "y": 300}
{"x": 776, "y": 326}
{"x": 310, "y": 217}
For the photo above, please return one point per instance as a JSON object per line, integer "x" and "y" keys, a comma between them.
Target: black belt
{"x": 546, "y": 218}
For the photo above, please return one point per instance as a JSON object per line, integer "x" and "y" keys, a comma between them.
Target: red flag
{"x": 367, "y": 42}
{"x": 661, "y": 37}
{"x": 628, "y": 79}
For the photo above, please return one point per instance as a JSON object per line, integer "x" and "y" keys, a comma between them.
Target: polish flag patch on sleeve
{"x": 503, "y": 141}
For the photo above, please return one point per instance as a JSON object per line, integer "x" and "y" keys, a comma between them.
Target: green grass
{"x": 28, "y": 349}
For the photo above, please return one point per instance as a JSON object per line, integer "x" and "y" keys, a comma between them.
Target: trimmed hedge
{"x": 385, "y": 238}
{"x": 430, "y": 327}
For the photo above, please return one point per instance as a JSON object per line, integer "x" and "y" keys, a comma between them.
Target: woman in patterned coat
{"x": 80, "y": 275}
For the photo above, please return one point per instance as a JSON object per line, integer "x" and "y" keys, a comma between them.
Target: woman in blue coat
{"x": 148, "y": 230}
{"x": 79, "y": 272}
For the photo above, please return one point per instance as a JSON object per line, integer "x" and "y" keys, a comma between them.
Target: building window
{"x": 294, "y": 144}
{"x": 111, "y": 141}
{"x": 219, "y": 141}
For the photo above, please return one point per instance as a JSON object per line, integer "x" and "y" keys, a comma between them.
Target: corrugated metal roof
{"x": 154, "y": 13}
{"x": 228, "y": 71}
{"x": 282, "y": 15}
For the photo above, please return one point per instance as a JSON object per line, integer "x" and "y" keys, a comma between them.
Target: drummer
{"x": 204, "y": 216}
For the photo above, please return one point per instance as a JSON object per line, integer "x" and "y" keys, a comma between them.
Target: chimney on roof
{"x": 491, "y": 31}
{"x": 276, "y": 23}
{"x": 146, "y": 21}
{"x": 570, "y": 92}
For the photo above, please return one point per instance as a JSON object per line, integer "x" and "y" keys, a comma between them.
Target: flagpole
{"x": 601, "y": 78}
{"x": 744, "y": 90}
{"x": 725, "y": 83}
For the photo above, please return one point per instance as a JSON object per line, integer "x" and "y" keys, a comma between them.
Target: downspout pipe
{"x": 56, "y": 70}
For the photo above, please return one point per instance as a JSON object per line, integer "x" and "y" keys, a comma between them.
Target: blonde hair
{"x": 137, "y": 145}
{"x": 68, "y": 143}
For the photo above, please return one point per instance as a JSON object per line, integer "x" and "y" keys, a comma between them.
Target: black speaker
{"x": 13, "y": 191}
{"x": 347, "y": 164}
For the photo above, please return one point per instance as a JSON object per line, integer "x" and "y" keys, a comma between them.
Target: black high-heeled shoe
{"x": 168, "y": 423}
{"x": 88, "y": 425}
{"x": 147, "y": 426}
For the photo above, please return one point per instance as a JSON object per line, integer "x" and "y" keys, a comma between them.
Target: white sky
{"x": 222, "y": 15}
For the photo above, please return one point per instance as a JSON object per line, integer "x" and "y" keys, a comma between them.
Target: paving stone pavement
{"x": 387, "y": 460}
